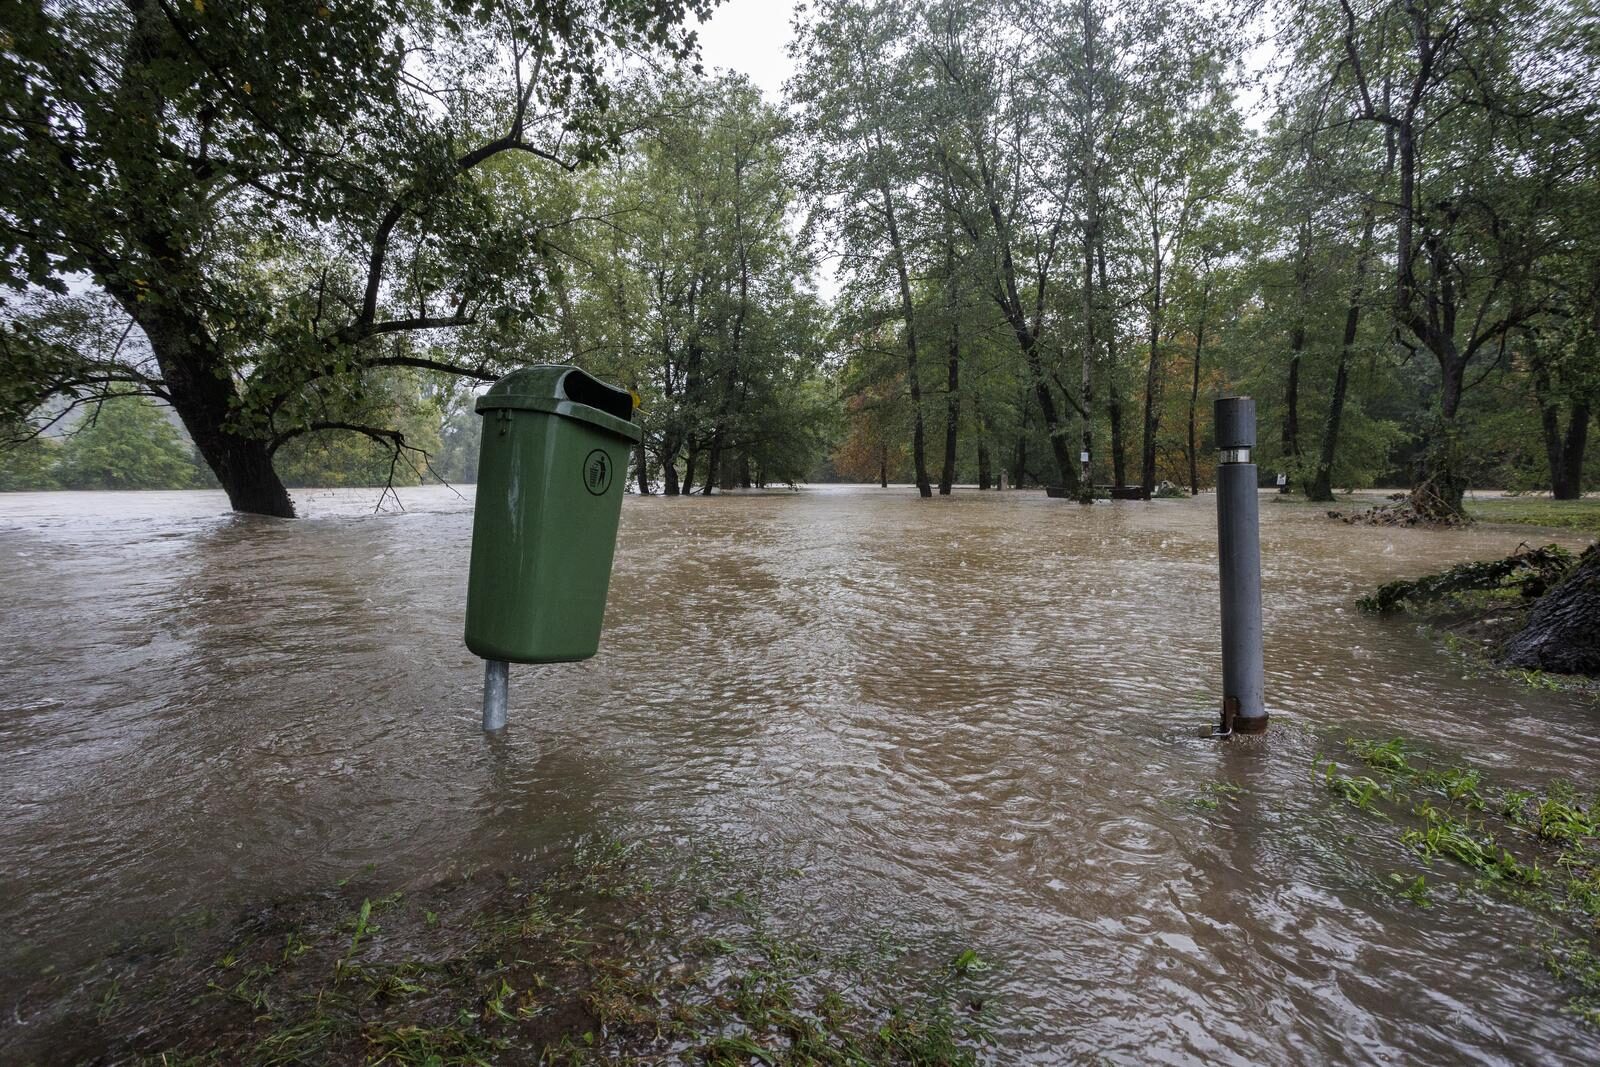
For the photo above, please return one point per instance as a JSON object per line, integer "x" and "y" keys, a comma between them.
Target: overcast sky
{"x": 750, "y": 36}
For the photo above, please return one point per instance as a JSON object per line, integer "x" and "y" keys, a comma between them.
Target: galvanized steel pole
{"x": 1239, "y": 557}
{"x": 496, "y": 679}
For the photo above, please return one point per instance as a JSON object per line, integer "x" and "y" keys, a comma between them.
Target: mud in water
{"x": 968, "y": 721}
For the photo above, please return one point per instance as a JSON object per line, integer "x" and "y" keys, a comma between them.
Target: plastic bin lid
{"x": 566, "y": 391}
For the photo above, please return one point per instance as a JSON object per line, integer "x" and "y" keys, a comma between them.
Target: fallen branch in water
{"x": 1537, "y": 610}
{"x": 1530, "y": 571}
{"x": 1402, "y": 511}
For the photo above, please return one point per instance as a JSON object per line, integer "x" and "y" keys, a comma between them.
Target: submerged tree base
{"x": 1538, "y": 609}
{"x": 600, "y": 961}
{"x": 1563, "y": 630}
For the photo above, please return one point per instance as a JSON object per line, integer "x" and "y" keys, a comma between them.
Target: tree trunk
{"x": 1297, "y": 347}
{"x": 1152, "y": 424}
{"x": 983, "y": 462}
{"x": 1562, "y": 635}
{"x": 688, "y": 470}
{"x": 1439, "y": 487}
{"x": 883, "y": 467}
{"x": 1119, "y": 451}
{"x": 244, "y": 467}
{"x": 1060, "y": 451}
{"x": 1086, "y": 376}
{"x": 1321, "y": 487}
{"x": 1194, "y": 391}
{"x": 1019, "y": 457}
{"x": 713, "y": 462}
{"x": 1577, "y": 439}
{"x": 952, "y": 416}
{"x": 203, "y": 395}
{"x": 1152, "y": 377}
{"x": 642, "y": 461}
{"x": 744, "y": 470}
{"x": 1119, "y": 458}
{"x": 669, "y": 474}
{"x": 1088, "y": 149}
{"x": 1563, "y": 451}
{"x": 1291, "y": 410}
{"x": 919, "y": 458}
{"x": 952, "y": 405}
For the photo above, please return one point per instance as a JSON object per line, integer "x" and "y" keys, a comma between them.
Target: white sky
{"x": 749, "y": 36}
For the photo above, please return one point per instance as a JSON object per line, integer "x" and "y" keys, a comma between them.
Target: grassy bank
{"x": 609, "y": 958}
{"x": 1580, "y": 515}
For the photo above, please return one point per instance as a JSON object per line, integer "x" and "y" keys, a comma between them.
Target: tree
{"x": 127, "y": 442}
{"x": 30, "y": 464}
{"x": 283, "y": 198}
{"x": 1181, "y": 169}
{"x": 689, "y": 285}
{"x": 1489, "y": 126}
{"x": 854, "y": 86}
{"x": 994, "y": 129}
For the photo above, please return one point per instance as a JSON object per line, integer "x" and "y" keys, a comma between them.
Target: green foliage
{"x": 274, "y": 201}
{"x": 127, "y": 443}
{"x": 396, "y": 402}
{"x": 689, "y": 287}
{"x": 30, "y": 463}
{"x": 1414, "y": 890}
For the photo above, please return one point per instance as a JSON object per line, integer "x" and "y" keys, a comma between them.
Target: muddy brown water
{"x": 971, "y": 719}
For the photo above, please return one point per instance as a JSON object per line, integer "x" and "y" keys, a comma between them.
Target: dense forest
{"x": 974, "y": 236}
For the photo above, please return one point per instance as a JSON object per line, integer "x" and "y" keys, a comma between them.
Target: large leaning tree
{"x": 279, "y": 200}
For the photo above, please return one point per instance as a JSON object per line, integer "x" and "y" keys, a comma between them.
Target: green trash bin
{"x": 551, "y": 470}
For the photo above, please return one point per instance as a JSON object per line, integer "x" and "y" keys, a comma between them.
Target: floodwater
{"x": 973, "y": 719}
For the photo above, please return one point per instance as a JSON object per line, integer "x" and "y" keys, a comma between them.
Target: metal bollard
{"x": 496, "y": 680}
{"x": 1244, "y": 708}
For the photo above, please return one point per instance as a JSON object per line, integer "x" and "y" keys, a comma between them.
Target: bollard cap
{"x": 1235, "y": 422}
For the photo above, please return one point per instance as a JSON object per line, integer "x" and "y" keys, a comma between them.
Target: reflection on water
{"x": 971, "y": 717}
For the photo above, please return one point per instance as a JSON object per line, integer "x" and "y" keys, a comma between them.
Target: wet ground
{"x": 971, "y": 719}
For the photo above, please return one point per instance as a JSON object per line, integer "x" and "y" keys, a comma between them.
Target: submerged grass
{"x": 612, "y": 957}
{"x": 1534, "y": 849}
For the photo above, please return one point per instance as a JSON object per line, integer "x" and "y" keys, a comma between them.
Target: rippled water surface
{"x": 974, "y": 717}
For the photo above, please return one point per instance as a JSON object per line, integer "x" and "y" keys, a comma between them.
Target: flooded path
{"x": 972, "y": 718}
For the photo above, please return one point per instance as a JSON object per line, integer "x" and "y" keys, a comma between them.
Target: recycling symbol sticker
{"x": 597, "y": 472}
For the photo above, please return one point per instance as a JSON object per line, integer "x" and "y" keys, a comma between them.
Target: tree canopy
{"x": 1056, "y": 231}
{"x": 289, "y": 198}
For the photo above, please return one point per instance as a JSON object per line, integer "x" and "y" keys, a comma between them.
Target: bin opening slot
{"x": 582, "y": 389}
